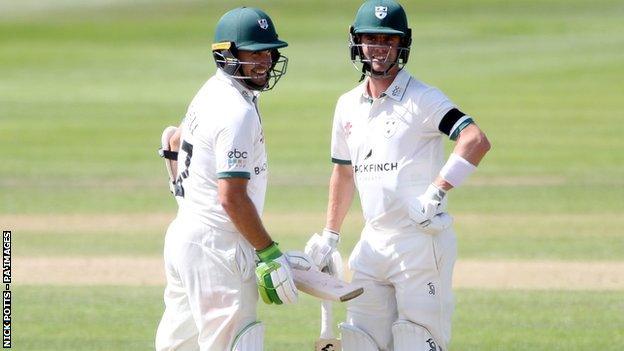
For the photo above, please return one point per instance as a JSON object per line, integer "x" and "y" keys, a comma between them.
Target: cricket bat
{"x": 324, "y": 286}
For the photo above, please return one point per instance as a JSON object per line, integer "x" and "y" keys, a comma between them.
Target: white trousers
{"x": 211, "y": 292}
{"x": 405, "y": 276}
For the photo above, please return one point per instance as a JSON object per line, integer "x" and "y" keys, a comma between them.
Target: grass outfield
{"x": 121, "y": 318}
{"x": 511, "y": 236}
{"x": 86, "y": 88}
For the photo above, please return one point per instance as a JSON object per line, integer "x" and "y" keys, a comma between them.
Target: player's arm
{"x": 322, "y": 247}
{"x": 237, "y": 204}
{"x": 274, "y": 275}
{"x": 174, "y": 145}
{"x": 341, "y": 189}
{"x": 470, "y": 148}
{"x": 170, "y": 145}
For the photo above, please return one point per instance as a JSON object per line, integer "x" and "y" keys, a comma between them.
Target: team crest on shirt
{"x": 347, "y": 129}
{"x": 381, "y": 12}
{"x": 390, "y": 127}
{"x": 264, "y": 24}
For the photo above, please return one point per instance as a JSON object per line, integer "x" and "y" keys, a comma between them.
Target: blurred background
{"x": 86, "y": 88}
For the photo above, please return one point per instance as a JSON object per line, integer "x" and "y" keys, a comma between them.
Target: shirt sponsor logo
{"x": 260, "y": 169}
{"x": 237, "y": 158}
{"x": 376, "y": 167}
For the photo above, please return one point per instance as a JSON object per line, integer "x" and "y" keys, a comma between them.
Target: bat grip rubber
{"x": 327, "y": 320}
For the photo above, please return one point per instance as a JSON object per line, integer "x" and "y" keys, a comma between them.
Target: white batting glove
{"x": 438, "y": 223}
{"x": 321, "y": 247}
{"x": 334, "y": 267}
{"x": 299, "y": 260}
{"x": 424, "y": 211}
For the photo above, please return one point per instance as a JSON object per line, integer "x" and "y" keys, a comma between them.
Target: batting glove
{"x": 424, "y": 211}
{"x": 321, "y": 247}
{"x": 275, "y": 278}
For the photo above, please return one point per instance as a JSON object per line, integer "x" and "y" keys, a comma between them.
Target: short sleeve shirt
{"x": 394, "y": 144}
{"x": 222, "y": 137}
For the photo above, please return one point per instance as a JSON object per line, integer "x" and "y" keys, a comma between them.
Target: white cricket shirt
{"x": 222, "y": 137}
{"x": 394, "y": 144}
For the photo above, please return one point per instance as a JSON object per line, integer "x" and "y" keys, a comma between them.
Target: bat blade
{"x": 324, "y": 286}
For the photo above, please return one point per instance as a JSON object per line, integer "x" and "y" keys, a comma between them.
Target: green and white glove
{"x": 275, "y": 278}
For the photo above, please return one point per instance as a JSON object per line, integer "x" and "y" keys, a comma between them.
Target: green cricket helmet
{"x": 248, "y": 29}
{"x": 379, "y": 17}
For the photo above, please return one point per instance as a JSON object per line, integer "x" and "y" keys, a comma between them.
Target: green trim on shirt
{"x": 461, "y": 127}
{"x": 222, "y": 175}
{"x": 341, "y": 162}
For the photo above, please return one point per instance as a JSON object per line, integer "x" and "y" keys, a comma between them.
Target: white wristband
{"x": 456, "y": 170}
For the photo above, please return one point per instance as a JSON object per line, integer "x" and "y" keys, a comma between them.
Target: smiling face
{"x": 255, "y": 65}
{"x": 381, "y": 50}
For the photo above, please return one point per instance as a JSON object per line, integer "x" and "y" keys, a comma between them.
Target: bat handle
{"x": 327, "y": 320}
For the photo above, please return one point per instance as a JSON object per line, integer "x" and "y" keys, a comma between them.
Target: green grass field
{"x": 86, "y": 88}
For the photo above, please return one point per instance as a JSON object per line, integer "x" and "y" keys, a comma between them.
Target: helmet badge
{"x": 264, "y": 24}
{"x": 381, "y": 12}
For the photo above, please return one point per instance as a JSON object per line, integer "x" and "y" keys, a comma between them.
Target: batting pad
{"x": 251, "y": 338}
{"x": 355, "y": 339}
{"x": 410, "y": 336}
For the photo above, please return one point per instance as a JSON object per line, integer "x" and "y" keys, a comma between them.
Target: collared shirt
{"x": 222, "y": 137}
{"x": 394, "y": 145}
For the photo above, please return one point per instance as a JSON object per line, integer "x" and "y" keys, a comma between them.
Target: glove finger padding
{"x": 315, "y": 249}
{"x": 437, "y": 223}
{"x": 299, "y": 260}
{"x": 275, "y": 282}
{"x": 266, "y": 289}
{"x": 334, "y": 267}
{"x": 286, "y": 289}
{"x": 321, "y": 247}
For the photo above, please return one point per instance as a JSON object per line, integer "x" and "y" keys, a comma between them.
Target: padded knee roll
{"x": 410, "y": 336}
{"x": 355, "y": 339}
{"x": 251, "y": 338}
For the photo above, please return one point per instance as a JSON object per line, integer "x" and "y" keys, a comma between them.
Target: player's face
{"x": 381, "y": 49}
{"x": 256, "y": 65}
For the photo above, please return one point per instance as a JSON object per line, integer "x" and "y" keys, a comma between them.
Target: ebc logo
{"x": 237, "y": 154}
{"x": 237, "y": 158}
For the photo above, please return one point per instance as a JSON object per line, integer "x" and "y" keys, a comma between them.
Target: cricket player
{"x": 212, "y": 245}
{"x": 388, "y": 142}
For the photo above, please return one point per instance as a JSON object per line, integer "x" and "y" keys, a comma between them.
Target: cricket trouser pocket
{"x": 245, "y": 258}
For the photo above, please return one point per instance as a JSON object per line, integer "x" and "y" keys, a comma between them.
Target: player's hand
{"x": 299, "y": 260}
{"x": 275, "y": 278}
{"x": 321, "y": 247}
{"x": 334, "y": 267}
{"x": 438, "y": 223}
{"x": 425, "y": 211}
